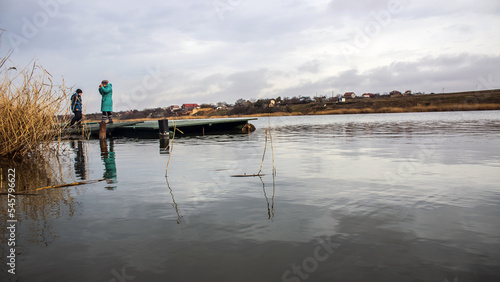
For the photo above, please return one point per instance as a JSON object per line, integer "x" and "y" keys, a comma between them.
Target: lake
{"x": 373, "y": 197}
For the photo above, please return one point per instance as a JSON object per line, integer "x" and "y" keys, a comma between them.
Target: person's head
{"x": 104, "y": 82}
{"x": 79, "y": 91}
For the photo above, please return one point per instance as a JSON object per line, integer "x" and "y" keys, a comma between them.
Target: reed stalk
{"x": 272, "y": 148}
{"x": 171, "y": 145}
{"x": 29, "y": 105}
{"x": 263, "y": 155}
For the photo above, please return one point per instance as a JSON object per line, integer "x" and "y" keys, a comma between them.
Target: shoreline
{"x": 341, "y": 111}
{"x": 444, "y": 102}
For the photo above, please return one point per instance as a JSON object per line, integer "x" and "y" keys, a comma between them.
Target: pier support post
{"x": 163, "y": 127}
{"x": 102, "y": 130}
{"x": 164, "y": 136}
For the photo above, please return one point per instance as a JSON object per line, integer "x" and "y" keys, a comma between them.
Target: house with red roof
{"x": 349, "y": 95}
{"x": 189, "y": 107}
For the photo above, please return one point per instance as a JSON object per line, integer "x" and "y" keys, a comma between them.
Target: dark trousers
{"x": 77, "y": 118}
{"x": 107, "y": 115}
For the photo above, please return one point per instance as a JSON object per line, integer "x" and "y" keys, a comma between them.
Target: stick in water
{"x": 70, "y": 184}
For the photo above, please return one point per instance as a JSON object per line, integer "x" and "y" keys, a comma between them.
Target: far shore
{"x": 461, "y": 101}
{"x": 447, "y": 108}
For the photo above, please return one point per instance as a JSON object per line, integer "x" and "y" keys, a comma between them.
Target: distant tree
{"x": 305, "y": 100}
{"x": 259, "y": 104}
{"x": 319, "y": 99}
{"x": 206, "y": 106}
{"x": 242, "y": 106}
{"x": 240, "y": 102}
{"x": 294, "y": 100}
{"x": 223, "y": 105}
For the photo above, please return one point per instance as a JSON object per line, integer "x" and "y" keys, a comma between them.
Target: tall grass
{"x": 29, "y": 105}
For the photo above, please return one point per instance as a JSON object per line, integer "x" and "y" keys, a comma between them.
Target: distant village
{"x": 251, "y": 106}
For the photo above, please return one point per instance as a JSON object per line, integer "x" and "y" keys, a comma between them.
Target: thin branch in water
{"x": 272, "y": 148}
{"x": 70, "y": 184}
{"x": 247, "y": 175}
{"x": 263, "y": 155}
{"x": 171, "y": 148}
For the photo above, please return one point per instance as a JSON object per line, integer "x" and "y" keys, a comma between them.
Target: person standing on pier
{"x": 76, "y": 107}
{"x": 106, "y": 91}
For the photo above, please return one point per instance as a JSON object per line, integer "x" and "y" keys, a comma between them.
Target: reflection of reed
{"x": 272, "y": 150}
{"x": 174, "y": 204}
{"x": 36, "y": 213}
{"x": 272, "y": 198}
{"x": 270, "y": 209}
{"x": 259, "y": 174}
{"x": 273, "y": 169}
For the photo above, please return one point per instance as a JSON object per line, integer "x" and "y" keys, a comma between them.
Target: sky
{"x": 159, "y": 53}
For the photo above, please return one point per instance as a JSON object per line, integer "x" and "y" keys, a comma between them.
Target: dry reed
{"x": 29, "y": 105}
{"x": 171, "y": 145}
{"x": 272, "y": 148}
{"x": 263, "y": 155}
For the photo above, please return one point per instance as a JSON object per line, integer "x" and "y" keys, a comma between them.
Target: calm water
{"x": 377, "y": 197}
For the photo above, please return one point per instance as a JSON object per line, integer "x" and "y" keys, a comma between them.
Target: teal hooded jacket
{"x": 107, "y": 99}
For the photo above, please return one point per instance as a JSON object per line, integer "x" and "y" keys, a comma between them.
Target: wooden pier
{"x": 151, "y": 129}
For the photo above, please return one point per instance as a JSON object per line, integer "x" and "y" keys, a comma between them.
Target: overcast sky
{"x": 157, "y": 53}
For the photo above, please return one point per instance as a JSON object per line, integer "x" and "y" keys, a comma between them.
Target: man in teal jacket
{"x": 106, "y": 91}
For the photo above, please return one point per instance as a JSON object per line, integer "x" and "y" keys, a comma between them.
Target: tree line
{"x": 240, "y": 107}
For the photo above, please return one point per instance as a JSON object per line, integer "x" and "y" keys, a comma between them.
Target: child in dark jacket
{"x": 76, "y": 107}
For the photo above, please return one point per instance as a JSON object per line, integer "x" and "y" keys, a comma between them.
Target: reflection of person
{"x": 108, "y": 157}
{"x": 76, "y": 107}
{"x": 80, "y": 168}
{"x": 106, "y": 91}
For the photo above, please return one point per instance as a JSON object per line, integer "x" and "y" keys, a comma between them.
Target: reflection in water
{"x": 164, "y": 145}
{"x": 440, "y": 223}
{"x": 174, "y": 204}
{"x": 390, "y": 125}
{"x": 270, "y": 209}
{"x": 108, "y": 158}
{"x": 35, "y": 214}
{"x": 80, "y": 165}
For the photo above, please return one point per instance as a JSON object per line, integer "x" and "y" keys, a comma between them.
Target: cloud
{"x": 429, "y": 74}
{"x": 343, "y": 7}
{"x": 311, "y": 66}
{"x": 256, "y": 48}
